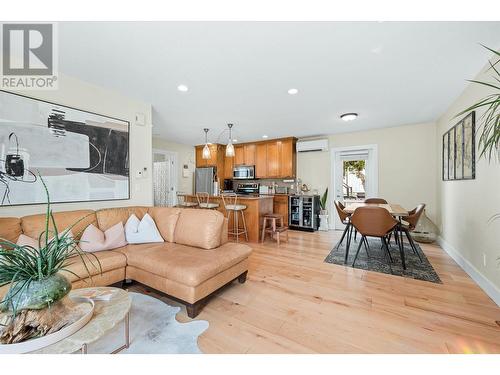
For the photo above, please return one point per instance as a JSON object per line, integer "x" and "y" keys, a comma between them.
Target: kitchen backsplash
{"x": 289, "y": 184}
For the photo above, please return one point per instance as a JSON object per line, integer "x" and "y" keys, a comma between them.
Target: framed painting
{"x": 451, "y": 155}
{"x": 469, "y": 125}
{"x": 459, "y": 147}
{"x": 459, "y": 150}
{"x": 82, "y": 156}
{"x": 446, "y": 147}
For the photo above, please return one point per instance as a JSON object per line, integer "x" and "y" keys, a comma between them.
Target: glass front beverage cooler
{"x": 294, "y": 210}
{"x": 304, "y": 212}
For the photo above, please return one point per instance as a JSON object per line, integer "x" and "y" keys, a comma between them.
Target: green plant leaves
{"x": 20, "y": 265}
{"x": 489, "y": 140}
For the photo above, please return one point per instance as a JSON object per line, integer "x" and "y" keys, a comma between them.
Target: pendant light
{"x": 206, "y": 150}
{"x": 230, "y": 147}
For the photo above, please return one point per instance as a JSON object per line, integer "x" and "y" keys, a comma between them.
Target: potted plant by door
{"x": 323, "y": 214}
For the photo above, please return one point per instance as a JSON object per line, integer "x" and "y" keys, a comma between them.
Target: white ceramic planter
{"x": 323, "y": 222}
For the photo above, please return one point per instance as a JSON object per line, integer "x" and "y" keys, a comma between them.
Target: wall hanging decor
{"x": 82, "y": 156}
{"x": 459, "y": 150}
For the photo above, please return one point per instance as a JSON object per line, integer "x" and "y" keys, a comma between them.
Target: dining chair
{"x": 409, "y": 223}
{"x": 204, "y": 201}
{"x": 373, "y": 221}
{"x": 345, "y": 219}
{"x": 375, "y": 201}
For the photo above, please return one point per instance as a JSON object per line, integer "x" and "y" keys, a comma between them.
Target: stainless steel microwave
{"x": 244, "y": 172}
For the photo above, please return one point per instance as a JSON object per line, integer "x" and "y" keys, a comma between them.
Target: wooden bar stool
{"x": 230, "y": 201}
{"x": 204, "y": 201}
{"x": 274, "y": 229}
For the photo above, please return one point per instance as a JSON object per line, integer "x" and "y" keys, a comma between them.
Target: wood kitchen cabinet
{"x": 275, "y": 158}
{"x": 217, "y": 153}
{"x": 280, "y": 206}
{"x": 249, "y": 151}
{"x": 287, "y": 156}
{"x": 212, "y": 162}
{"x": 228, "y": 167}
{"x": 239, "y": 155}
{"x": 261, "y": 160}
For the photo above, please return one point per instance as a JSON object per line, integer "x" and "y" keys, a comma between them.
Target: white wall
{"x": 466, "y": 206}
{"x": 186, "y": 155}
{"x": 407, "y": 164}
{"x": 81, "y": 95}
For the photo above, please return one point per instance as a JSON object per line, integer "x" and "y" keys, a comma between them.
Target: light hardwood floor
{"x": 293, "y": 302}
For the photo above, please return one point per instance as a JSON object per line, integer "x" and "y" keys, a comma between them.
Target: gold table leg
{"x": 127, "y": 335}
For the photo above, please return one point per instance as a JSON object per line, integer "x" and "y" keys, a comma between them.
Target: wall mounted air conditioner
{"x": 312, "y": 145}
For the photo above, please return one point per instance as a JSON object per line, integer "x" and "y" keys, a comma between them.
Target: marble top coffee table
{"x": 107, "y": 314}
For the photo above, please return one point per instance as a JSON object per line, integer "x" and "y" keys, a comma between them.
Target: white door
{"x": 164, "y": 178}
{"x": 354, "y": 177}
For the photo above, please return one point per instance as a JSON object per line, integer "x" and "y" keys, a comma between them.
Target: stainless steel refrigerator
{"x": 204, "y": 180}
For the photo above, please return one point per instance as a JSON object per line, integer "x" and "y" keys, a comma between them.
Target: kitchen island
{"x": 257, "y": 207}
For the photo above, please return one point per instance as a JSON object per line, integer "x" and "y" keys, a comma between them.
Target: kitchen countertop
{"x": 240, "y": 196}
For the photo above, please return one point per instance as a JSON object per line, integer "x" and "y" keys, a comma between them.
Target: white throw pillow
{"x": 142, "y": 231}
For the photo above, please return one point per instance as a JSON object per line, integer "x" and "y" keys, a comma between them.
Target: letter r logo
{"x": 27, "y": 49}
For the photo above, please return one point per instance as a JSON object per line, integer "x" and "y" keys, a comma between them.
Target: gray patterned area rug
{"x": 378, "y": 263}
{"x": 153, "y": 330}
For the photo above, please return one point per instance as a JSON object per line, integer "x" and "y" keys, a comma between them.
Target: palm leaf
{"x": 489, "y": 140}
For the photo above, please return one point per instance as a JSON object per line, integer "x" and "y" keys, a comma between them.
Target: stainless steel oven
{"x": 247, "y": 188}
{"x": 244, "y": 172}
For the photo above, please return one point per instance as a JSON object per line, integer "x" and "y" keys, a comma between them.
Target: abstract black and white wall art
{"x": 81, "y": 156}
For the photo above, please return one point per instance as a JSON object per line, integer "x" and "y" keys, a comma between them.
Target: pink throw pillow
{"x": 25, "y": 240}
{"x": 93, "y": 239}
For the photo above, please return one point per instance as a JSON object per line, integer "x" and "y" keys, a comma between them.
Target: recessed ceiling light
{"x": 293, "y": 91}
{"x": 265, "y": 136}
{"x": 235, "y": 140}
{"x": 349, "y": 116}
{"x": 182, "y": 88}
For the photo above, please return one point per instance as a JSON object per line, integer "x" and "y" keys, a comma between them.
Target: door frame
{"x": 173, "y": 155}
{"x": 371, "y": 171}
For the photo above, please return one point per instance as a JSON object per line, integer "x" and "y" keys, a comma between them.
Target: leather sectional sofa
{"x": 195, "y": 260}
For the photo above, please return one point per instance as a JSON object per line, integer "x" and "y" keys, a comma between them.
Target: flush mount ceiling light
{"x": 265, "y": 136}
{"x": 349, "y": 116}
{"x": 293, "y": 91}
{"x": 182, "y": 88}
{"x": 205, "y": 154}
{"x": 230, "y": 147}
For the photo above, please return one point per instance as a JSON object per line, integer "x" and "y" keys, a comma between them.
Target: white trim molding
{"x": 486, "y": 285}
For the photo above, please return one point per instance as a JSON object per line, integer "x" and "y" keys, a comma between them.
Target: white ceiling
{"x": 390, "y": 73}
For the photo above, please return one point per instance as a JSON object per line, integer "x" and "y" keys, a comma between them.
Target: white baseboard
{"x": 489, "y": 288}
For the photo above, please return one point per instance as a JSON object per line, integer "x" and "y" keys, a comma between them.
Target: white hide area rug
{"x": 153, "y": 330}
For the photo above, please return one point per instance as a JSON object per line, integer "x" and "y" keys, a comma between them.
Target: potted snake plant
{"x": 323, "y": 214}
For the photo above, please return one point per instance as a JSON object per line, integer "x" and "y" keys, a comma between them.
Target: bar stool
{"x": 204, "y": 201}
{"x": 233, "y": 206}
{"x": 181, "y": 201}
{"x": 274, "y": 229}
